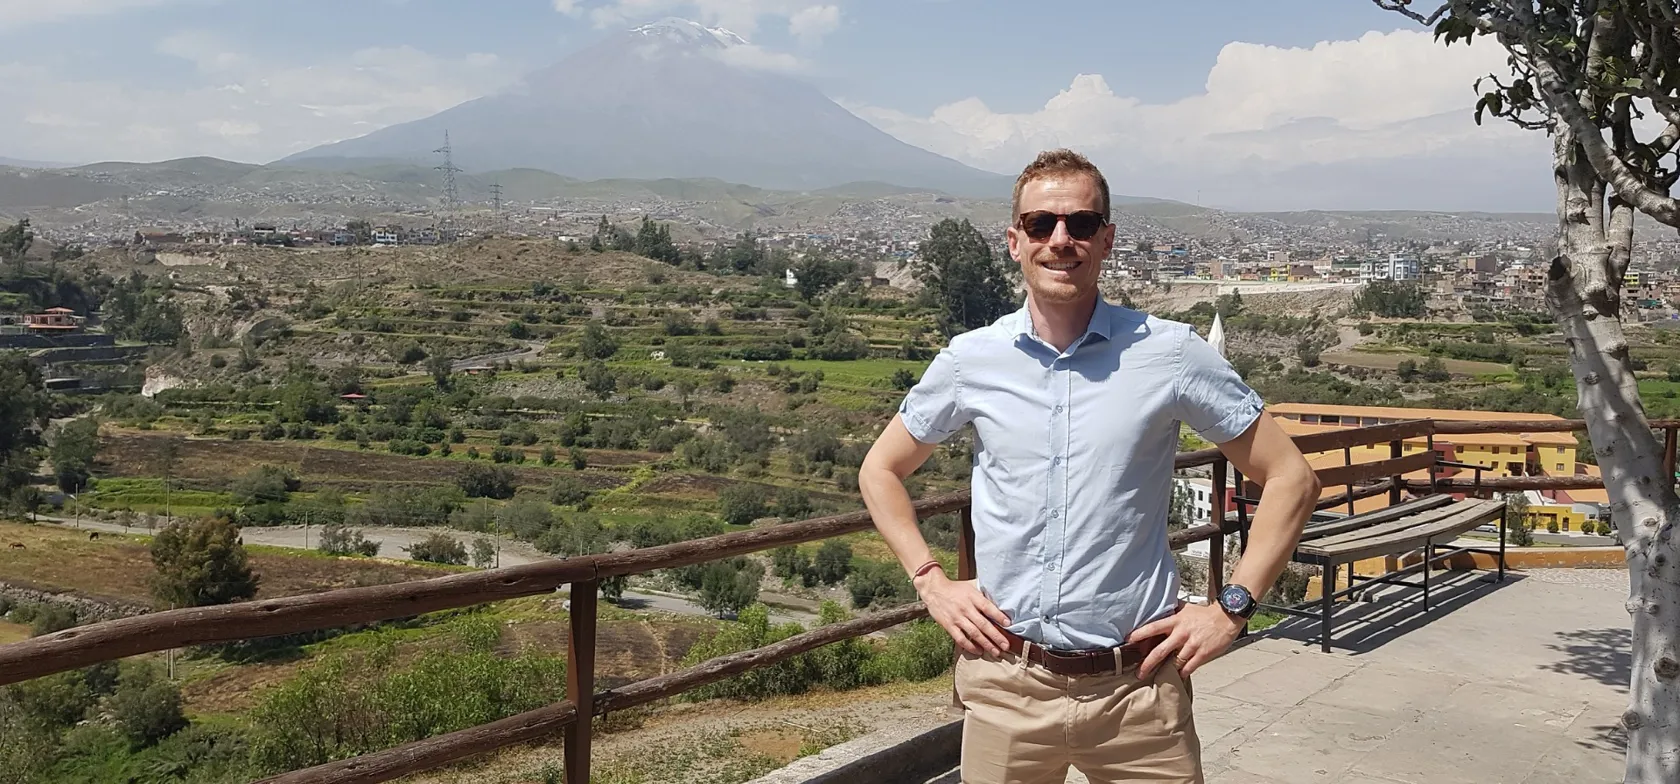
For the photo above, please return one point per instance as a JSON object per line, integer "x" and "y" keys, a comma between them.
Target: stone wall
{"x": 88, "y": 610}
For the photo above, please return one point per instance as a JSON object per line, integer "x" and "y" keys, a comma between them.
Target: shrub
{"x": 438, "y": 548}
{"x": 879, "y": 584}
{"x": 568, "y": 491}
{"x": 833, "y": 562}
{"x": 47, "y": 618}
{"x": 337, "y": 539}
{"x": 742, "y": 503}
{"x": 146, "y": 707}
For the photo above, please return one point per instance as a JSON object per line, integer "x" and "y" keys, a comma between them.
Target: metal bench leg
{"x": 1501, "y": 577}
{"x": 1428, "y": 555}
{"x": 1326, "y": 602}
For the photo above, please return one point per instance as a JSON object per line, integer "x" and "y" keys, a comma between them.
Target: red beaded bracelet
{"x": 927, "y": 567}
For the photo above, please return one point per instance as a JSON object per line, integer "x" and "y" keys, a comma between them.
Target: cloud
{"x": 759, "y": 58}
{"x": 1393, "y": 105}
{"x": 742, "y": 16}
{"x": 567, "y": 7}
{"x": 205, "y": 50}
{"x": 236, "y": 107}
{"x": 811, "y": 24}
{"x": 22, "y": 13}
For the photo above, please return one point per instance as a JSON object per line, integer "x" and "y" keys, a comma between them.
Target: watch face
{"x": 1234, "y": 598}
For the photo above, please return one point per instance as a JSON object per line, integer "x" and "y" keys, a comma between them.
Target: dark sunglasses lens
{"x": 1083, "y": 225}
{"x": 1039, "y": 225}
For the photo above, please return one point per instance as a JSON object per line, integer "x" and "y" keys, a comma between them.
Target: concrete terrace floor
{"x": 1520, "y": 683}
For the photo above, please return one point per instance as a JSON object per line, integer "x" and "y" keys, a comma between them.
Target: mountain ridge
{"x": 665, "y": 100}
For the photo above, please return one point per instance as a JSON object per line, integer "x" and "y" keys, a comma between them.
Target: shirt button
{"x": 1050, "y": 567}
{"x": 1058, "y": 408}
{"x": 1057, "y": 460}
{"x": 1055, "y": 513}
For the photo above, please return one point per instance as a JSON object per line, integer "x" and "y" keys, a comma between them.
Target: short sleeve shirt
{"x": 1073, "y": 462}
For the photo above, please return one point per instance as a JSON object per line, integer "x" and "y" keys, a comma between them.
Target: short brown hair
{"x": 1055, "y": 162}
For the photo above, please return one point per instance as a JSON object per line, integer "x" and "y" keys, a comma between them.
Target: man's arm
{"x": 1265, "y": 454}
{"x": 965, "y": 613}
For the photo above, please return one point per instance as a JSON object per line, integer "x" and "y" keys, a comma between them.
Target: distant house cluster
{"x": 270, "y": 234}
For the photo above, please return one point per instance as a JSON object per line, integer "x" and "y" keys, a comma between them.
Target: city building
{"x": 1396, "y": 268}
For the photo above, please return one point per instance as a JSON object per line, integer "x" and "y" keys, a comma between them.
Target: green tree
{"x": 438, "y": 548}
{"x": 833, "y": 562}
{"x": 441, "y": 368}
{"x": 728, "y": 587}
{"x": 483, "y": 481}
{"x": 138, "y": 309}
{"x": 73, "y": 450}
{"x": 596, "y": 343}
{"x": 483, "y": 553}
{"x": 963, "y": 279}
{"x": 1434, "y": 371}
{"x": 568, "y": 491}
{"x": 1517, "y": 531}
{"x": 15, "y": 241}
{"x": 200, "y": 563}
{"x": 24, "y": 410}
{"x": 741, "y": 504}
{"x": 653, "y": 240}
{"x": 1391, "y": 299}
{"x": 815, "y": 274}
{"x": 146, "y": 707}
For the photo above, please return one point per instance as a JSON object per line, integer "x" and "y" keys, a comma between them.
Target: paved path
{"x": 1515, "y": 684}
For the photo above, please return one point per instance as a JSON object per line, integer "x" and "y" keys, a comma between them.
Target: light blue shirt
{"x": 1073, "y": 462}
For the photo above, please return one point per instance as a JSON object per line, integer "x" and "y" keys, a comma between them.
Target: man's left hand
{"x": 1195, "y": 635}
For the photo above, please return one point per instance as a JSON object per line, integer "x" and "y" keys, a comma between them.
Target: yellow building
{"x": 1502, "y": 454}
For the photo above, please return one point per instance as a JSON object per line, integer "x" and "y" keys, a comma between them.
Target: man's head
{"x": 1060, "y": 233}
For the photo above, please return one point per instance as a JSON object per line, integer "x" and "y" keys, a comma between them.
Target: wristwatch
{"x": 1238, "y": 601}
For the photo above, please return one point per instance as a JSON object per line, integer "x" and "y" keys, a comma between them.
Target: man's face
{"x": 1059, "y": 268}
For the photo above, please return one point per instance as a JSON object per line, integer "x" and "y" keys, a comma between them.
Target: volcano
{"x": 670, "y": 99}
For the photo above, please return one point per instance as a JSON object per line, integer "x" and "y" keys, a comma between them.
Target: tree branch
{"x": 1403, "y": 8}
{"x": 1612, "y": 169}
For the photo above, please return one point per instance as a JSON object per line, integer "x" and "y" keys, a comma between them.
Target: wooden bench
{"x": 1403, "y": 527}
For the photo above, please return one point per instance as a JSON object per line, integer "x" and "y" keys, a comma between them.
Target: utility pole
{"x": 496, "y": 197}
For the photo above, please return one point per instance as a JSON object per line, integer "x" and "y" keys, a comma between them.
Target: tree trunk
{"x": 1583, "y": 292}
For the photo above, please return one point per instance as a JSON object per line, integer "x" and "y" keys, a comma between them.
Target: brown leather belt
{"x": 1100, "y": 661}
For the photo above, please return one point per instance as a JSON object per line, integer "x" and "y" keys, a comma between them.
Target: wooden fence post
{"x": 580, "y": 679}
{"x": 1216, "y": 545}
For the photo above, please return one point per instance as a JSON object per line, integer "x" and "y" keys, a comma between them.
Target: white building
{"x": 1396, "y": 267}
{"x": 1201, "y": 509}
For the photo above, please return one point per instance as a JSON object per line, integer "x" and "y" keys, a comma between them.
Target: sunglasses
{"x": 1082, "y": 225}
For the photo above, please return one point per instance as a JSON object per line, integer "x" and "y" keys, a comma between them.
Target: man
{"x": 1075, "y": 649}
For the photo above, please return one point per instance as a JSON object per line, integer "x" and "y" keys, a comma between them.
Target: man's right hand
{"x": 973, "y": 622}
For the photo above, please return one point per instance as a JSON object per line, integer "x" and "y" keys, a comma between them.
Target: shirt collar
{"x": 1102, "y": 321}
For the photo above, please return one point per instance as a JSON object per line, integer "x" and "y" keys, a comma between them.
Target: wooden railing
{"x": 87, "y": 645}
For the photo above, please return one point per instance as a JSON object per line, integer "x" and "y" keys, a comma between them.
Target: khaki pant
{"x": 1025, "y": 725}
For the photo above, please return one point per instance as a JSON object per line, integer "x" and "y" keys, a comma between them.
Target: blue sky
{"x": 1234, "y": 97}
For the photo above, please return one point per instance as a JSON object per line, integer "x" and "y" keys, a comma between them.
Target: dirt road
{"x": 510, "y": 552}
